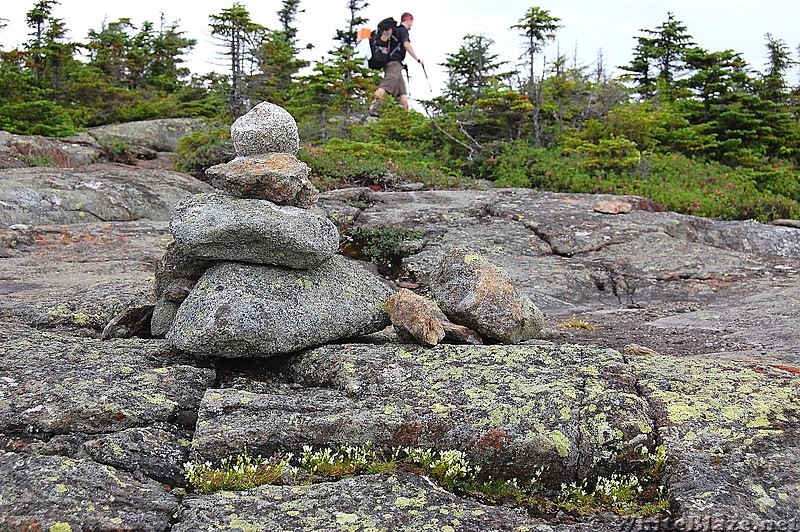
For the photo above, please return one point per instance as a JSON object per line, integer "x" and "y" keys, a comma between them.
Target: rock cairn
{"x": 252, "y": 271}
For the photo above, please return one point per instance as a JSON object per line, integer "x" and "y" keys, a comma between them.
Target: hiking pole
{"x": 408, "y": 77}
{"x": 426, "y": 77}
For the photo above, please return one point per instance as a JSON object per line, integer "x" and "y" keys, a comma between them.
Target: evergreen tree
{"x": 287, "y": 16}
{"x": 660, "y": 53}
{"x": 342, "y": 81}
{"x": 773, "y": 86}
{"x": 108, "y": 51}
{"x": 641, "y": 67}
{"x": 471, "y": 69}
{"x": 715, "y": 80}
{"x": 240, "y": 37}
{"x": 164, "y": 51}
{"x": 48, "y": 51}
{"x": 278, "y": 58}
{"x": 38, "y": 20}
{"x": 538, "y": 27}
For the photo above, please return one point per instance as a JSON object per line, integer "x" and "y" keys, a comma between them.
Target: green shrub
{"x": 678, "y": 183}
{"x": 40, "y": 117}
{"x": 117, "y": 151}
{"x": 37, "y": 160}
{"x": 338, "y": 163}
{"x": 236, "y": 473}
{"x": 203, "y": 149}
{"x": 385, "y": 246}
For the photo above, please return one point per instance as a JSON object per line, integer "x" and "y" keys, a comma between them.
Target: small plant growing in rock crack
{"x": 37, "y": 160}
{"x": 238, "y": 473}
{"x": 383, "y": 245}
{"x": 347, "y": 461}
{"x": 621, "y": 494}
{"x": 574, "y": 323}
{"x": 450, "y": 468}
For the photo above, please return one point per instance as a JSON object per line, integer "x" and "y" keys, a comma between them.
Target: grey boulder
{"x": 473, "y": 292}
{"x": 266, "y": 128}
{"x": 246, "y": 310}
{"x": 221, "y": 227}
{"x": 58, "y": 493}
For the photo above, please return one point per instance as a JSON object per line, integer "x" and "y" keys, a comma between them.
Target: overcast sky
{"x": 588, "y": 26}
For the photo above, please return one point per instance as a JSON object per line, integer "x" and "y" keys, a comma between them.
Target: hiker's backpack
{"x": 384, "y": 47}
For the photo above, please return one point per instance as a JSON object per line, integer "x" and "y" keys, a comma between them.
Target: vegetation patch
{"x": 339, "y": 163}
{"x": 37, "y": 160}
{"x": 574, "y": 323}
{"x": 641, "y": 495}
{"x": 385, "y": 246}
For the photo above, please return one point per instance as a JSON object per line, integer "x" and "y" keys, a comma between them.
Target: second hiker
{"x": 392, "y": 82}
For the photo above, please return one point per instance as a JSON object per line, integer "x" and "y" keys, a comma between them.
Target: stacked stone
{"x": 253, "y": 271}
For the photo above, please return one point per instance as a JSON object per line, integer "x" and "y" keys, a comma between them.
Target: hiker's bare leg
{"x": 403, "y": 101}
{"x": 379, "y": 94}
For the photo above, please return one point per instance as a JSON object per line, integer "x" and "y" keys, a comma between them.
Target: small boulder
{"x": 278, "y": 177}
{"x": 221, "y": 227}
{"x": 266, "y": 128}
{"x": 413, "y": 316}
{"x": 475, "y": 293}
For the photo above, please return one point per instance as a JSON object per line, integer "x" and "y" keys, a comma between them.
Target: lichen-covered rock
{"x": 413, "y": 316}
{"x": 19, "y": 151}
{"x": 390, "y": 501}
{"x": 732, "y": 436}
{"x": 55, "y": 383}
{"x": 131, "y": 321}
{"x": 278, "y": 177}
{"x": 164, "y": 312}
{"x": 569, "y": 410}
{"x": 158, "y": 452}
{"x": 241, "y": 310}
{"x": 159, "y": 135}
{"x": 81, "y": 276}
{"x": 175, "y": 276}
{"x": 473, "y": 292}
{"x": 221, "y": 227}
{"x": 177, "y": 269}
{"x": 100, "y": 192}
{"x": 60, "y": 494}
{"x": 266, "y": 128}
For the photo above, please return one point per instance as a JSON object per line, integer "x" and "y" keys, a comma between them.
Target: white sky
{"x": 588, "y": 26}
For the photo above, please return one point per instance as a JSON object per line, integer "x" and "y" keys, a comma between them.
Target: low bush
{"x": 339, "y": 163}
{"x": 203, "y": 149}
{"x": 676, "y": 182}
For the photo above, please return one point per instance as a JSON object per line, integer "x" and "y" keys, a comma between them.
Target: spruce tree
{"x": 240, "y": 37}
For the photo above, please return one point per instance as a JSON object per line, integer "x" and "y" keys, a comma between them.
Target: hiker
{"x": 393, "y": 71}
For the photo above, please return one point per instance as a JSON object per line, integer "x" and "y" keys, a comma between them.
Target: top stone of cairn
{"x": 266, "y": 128}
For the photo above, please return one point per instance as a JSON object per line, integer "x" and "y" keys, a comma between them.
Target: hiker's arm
{"x": 410, "y": 50}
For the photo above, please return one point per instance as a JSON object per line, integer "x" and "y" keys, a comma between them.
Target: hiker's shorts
{"x": 393, "y": 79}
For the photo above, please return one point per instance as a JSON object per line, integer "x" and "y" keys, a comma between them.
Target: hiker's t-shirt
{"x": 402, "y": 36}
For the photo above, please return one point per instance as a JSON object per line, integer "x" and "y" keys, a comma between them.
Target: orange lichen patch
{"x": 494, "y": 438}
{"x": 274, "y": 162}
{"x": 790, "y": 369}
{"x": 407, "y": 434}
{"x": 282, "y": 161}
